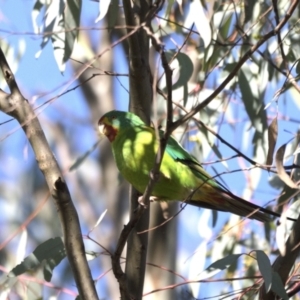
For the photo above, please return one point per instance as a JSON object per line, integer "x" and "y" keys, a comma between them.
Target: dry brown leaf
{"x": 280, "y": 169}
{"x": 272, "y": 139}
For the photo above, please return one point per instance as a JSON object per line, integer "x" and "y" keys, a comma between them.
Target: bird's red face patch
{"x": 107, "y": 129}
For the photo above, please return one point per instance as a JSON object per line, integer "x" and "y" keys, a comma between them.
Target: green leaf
{"x": 113, "y": 13}
{"x": 249, "y": 9}
{"x": 54, "y": 29}
{"x": 224, "y": 262}
{"x": 286, "y": 194}
{"x": 212, "y": 57}
{"x": 71, "y": 23}
{"x": 265, "y": 268}
{"x": 230, "y": 67}
{"x": 52, "y": 252}
{"x": 225, "y": 25}
{"x": 35, "y": 13}
{"x": 219, "y": 265}
{"x": 186, "y": 67}
{"x": 59, "y": 42}
{"x": 214, "y": 217}
{"x": 61, "y": 23}
{"x": 253, "y": 105}
{"x": 278, "y": 287}
{"x": 216, "y": 150}
{"x": 298, "y": 67}
{"x": 291, "y": 55}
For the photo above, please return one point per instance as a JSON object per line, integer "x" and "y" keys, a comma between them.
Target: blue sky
{"x": 40, "y": 80}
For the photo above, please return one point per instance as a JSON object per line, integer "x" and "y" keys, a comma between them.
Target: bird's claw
{"x": 142, "y": 202}
{"x": 153, "y": 199}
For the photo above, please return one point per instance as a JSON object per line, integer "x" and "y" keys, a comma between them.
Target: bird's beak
{"x": 102, "y": 126}
{"x": 102, "y": 129}
{"x": 105, "y": 128}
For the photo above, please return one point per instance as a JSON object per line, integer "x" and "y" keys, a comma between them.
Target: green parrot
{"x": 134, "y": 146}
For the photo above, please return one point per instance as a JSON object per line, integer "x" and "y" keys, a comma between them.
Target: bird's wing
{"x": 227, "y": 200}
{"x": 179, "y": 154}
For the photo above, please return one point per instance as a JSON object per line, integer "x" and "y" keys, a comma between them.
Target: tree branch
{"x": 239, "y": 64}
{"x": 140, "y": 82}
{"x": 16, "y": 105}
{"x": 284, "y": 263}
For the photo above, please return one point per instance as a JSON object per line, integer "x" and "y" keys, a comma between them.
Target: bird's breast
{"x": 134, "y": 154}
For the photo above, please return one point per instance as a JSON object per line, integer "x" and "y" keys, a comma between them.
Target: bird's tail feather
{"x": 238, "y": 206}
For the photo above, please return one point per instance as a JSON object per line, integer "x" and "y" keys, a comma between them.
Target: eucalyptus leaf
{"x": 72, "y": 23}
{"x": 278, "y": 287}
{"x": 272, "y": 138}
{"x": 265, "y": 268}
{"x": 280, "y": 168}
{"x": 185, "y": 66}
{"x": 49, "y": 254}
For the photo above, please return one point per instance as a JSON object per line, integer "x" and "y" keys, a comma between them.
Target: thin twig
{"x": 239, "y": 64}
{"x": 17, "y": 106}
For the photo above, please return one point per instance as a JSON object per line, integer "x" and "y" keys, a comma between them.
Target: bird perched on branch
{"x": 134, "y": 146}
